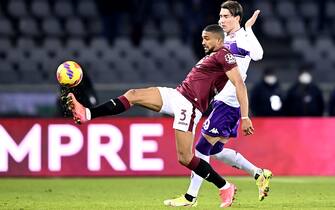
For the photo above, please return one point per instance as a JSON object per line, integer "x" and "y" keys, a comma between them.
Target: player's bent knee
{"x": 131, "y": 92}
{"x": 130, "y": 95}
{"x": 138, "y": 95}
{"x": 134, "y": 95}
{"x": 224, "y": 140}
{"x": 184, "y": 159}
{"x": 183, "y": 162}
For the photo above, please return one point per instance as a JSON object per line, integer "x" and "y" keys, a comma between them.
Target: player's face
{"x": 228, "y": 22}
{"x": 211, "y": 42}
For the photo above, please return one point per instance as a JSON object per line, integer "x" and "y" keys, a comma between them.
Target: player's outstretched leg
{"x": 263, "y": 183}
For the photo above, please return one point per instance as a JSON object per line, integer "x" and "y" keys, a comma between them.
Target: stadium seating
{"x": 6, "y": 29}
{"x": 37, "y": 35}
{"x": 17, "y": 9}
{"x": 63, "y": 9}
{"x": 40, "y": 9}
{"x": 51, "y": 27}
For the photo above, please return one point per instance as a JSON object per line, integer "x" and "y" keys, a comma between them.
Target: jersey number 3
{"x": 183, "y": 115}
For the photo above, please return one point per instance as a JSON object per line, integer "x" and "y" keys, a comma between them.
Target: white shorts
{"x": 186, "y": 116}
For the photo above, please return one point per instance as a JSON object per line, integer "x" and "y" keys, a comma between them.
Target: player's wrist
{"x": 244, "y": 117}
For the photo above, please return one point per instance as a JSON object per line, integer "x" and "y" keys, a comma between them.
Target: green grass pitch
{"x": 149, "y": 193}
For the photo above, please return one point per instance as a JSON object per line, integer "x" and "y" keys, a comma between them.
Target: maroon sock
{"x": 203, "y": 169}
{"x": 124, "y": 101}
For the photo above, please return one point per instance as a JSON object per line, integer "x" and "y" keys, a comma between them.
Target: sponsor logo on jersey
{"x": 214, "y": 130}
{"x": 230, "y": 58}
{"x": 182, "y": 123}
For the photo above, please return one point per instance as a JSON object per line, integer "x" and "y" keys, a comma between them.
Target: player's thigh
{"x": 211, "y": 139}
{"x": 224, "y": 140}
{"x": 170, "y": 97}
{"x": 186, "y": 116}
{"x": 147, "y": 97}
{"x": 222, "y": 122}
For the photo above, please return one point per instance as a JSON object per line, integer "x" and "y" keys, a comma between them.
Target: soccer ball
{"x": 69, "y": 74}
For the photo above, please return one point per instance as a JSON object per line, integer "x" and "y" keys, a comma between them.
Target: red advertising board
{"x": 146, "y": 147}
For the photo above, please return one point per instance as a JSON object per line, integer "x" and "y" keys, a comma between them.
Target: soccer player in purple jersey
{"x": 186, "y": 103}
{"x": 223, "y": 121}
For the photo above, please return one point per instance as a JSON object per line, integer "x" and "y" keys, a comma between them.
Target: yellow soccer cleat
{"x": 263, "y": 184}
{"x": 181, "y": 201}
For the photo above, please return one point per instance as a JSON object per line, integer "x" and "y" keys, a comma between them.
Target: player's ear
{"x": 220, "y": 40}
{"x": 238, "y": 18}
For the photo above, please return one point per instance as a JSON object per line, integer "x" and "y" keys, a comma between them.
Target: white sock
{"x": 235, "y": 159}
{"x": 196, "y": 180}
{"x": 226, "y": 186}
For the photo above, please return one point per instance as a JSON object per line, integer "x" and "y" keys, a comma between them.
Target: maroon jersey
{"x": 207, "y": 78}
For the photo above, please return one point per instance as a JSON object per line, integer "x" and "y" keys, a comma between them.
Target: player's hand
{"x": 252, "y": 20}
{"x": 247, "y": 127}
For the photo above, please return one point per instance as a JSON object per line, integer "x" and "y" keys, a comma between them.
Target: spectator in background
{"x": 266, "y": 97}
{"x": 85, "y": 92}
{"x": 304, "y": 98}
{"x": 332, "y": 103}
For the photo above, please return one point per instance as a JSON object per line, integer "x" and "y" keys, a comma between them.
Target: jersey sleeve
{"x": 255, "y": 48}
{"x": 226, "y": 59}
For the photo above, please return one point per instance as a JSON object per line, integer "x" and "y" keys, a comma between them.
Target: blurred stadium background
{"x": 139, "y": 43}
{"x": 135, "y": 43}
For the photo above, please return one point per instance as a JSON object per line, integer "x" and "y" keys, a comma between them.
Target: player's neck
{"x": 215, "y": 50}
{"x": 236, "y": 28}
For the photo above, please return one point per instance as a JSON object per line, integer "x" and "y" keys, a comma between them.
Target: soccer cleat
{"x": 64, "y": 91}
{"x": 227, "y": 196}
{"x": 263, "y": 183}
{"x": 78, "y": 110}
{"x": 181, "y": 201}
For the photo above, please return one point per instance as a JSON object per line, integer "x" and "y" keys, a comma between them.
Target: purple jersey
{"x": 207, "y": 78}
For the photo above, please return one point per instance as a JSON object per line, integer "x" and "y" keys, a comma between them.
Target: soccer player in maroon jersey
{"x": 224, "y": 118}
{"x": 186, "y": 103}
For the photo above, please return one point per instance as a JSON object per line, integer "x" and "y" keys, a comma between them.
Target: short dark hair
{"x": 215, "y": 28}
{"x": 234, "y": 8}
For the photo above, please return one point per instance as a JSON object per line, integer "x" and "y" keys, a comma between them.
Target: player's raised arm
{"x": 252, "y": 20}
{"x": 242, "y": 96}
{"x": 256, "y": 50}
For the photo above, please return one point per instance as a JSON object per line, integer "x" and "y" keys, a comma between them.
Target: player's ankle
{"x": 189, "y": 197}
{"x": 258, "y": 172}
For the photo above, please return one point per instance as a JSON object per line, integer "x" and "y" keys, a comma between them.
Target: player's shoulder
{"x": 240, "y": 36}
{"x": 224, "y": 55}
{"x": 241, "y": 31}
{"x": 223, "y": 51}
{"x": 236, "y": 35}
